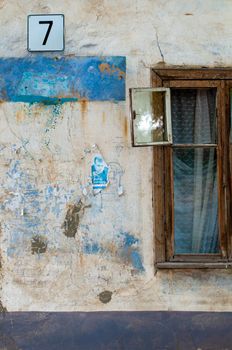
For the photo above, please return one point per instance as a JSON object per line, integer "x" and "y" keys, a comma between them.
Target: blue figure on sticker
{"x": 99, "y": 173}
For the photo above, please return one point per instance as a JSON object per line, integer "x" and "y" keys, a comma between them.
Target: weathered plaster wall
{"x": 62, "y": 247}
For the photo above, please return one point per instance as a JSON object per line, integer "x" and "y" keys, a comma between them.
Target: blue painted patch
{"x": 92, "y": 248}
{"x": 126, "y": 249}
{"x": 130, "y": 251}
{"x": 136, "y": 260}
{"x": 47, "y": 80}
{"x": 129, "y": 239}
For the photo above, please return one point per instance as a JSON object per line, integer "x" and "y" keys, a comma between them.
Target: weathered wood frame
{"x": 221, "y": 79}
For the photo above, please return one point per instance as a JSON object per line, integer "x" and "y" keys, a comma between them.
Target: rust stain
{"x": 38, "y": 244}
{"x": 121, "y": 74}
{"x": 20, "y": 116}
{"x": 38, "y": 109}
{"x": 125, "y": 129}
{"x": 84, "y": 108}
{"x": 105, "y": 67}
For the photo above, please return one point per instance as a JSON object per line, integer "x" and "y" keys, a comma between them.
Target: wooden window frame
{"x": 220, "y": 78}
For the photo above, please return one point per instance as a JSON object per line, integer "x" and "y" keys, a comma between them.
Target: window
{"x": 151, "y": 116}
{"x": 192, "y": 175}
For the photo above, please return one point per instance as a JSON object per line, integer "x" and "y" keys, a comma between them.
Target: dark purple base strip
{"x": 115, "y": 331}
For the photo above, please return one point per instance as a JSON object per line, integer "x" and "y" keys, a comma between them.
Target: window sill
{"x": 193, "y": 265}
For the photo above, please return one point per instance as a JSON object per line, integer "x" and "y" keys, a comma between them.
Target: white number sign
{"x": 45, "y": 33}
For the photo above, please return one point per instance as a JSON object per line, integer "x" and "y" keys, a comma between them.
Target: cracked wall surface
{"x": 64, "y": 246}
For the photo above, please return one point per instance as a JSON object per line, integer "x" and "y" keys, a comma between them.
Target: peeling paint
{"x": 50, "y": 81}
{"x": 130, "y": 250}
{"x": 31, "y": 206}
{"x": 125, "y": 247}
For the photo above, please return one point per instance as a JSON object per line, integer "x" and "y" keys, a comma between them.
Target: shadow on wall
{"x": 116, "y": 331}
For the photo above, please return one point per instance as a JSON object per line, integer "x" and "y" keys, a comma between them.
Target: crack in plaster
{"x": 158, "y": 45}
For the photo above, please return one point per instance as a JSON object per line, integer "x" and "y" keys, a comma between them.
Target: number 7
{"x": 50, "y": 23}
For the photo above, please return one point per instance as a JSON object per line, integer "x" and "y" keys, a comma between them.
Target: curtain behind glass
{"x": 193, "y": 115}
{"x": 195, "y": 172}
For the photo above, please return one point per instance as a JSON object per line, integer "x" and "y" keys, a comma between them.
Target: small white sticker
{"x": 45, "y": 33}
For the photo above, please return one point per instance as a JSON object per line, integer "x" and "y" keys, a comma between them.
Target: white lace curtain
{"x": 195, "y": 182}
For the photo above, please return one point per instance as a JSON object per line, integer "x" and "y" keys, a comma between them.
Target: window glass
{"x": 193, "y": 116}
{"x": 195, "y": 201}
{"x": 149, "y": 110}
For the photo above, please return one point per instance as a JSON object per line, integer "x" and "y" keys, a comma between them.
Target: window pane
{"x": 195, "y": 201}
{"x": 150, "y": 124}
{"x": 193, "y": 115}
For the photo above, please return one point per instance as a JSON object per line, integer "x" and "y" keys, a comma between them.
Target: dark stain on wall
{"x": 38, "y": 244}
{"x": 3, "y": 310}
{"x": 105, "y": 296}
{"x": 72, "y": 219}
